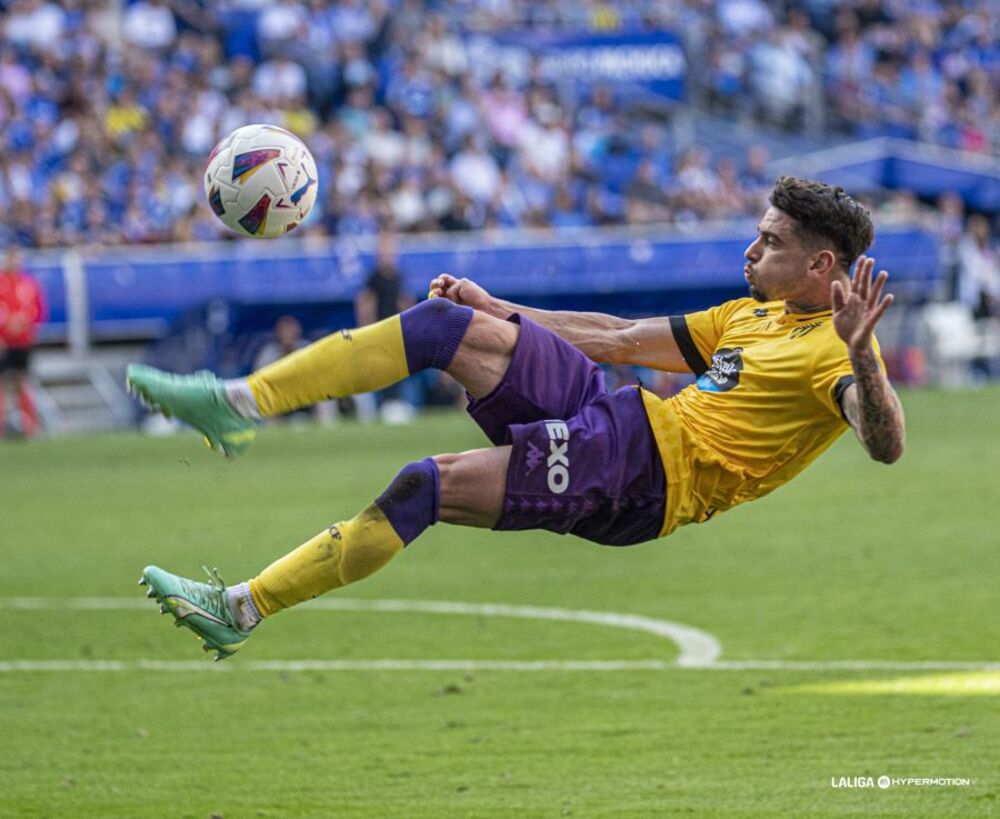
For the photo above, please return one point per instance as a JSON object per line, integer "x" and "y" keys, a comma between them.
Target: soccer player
{"x": 780, "y": 376}
{"x": 22, "y": 309}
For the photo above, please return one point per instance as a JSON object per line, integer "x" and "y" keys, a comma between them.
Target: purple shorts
{"x": 583, "y": 460}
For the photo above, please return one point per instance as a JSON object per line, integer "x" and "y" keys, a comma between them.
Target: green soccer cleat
{"x": 202, "y": 607}
{"x": 199, "y": 400}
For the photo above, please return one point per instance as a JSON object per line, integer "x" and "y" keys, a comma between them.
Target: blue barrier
{"x": 53, "y": 283}
{"x": 141, "y": 292}
{"x": 900, "y": 164}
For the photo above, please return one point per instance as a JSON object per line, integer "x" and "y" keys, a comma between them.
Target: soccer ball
{"x": 261, "y": 181}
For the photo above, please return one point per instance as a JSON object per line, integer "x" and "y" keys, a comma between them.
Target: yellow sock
{"x": 345, "y": 363}
{"x": 344, "y": 553}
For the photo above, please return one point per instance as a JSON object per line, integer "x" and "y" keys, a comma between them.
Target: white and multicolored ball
{"x": 261, "y": 181}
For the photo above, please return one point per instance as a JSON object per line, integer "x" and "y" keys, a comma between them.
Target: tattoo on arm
{"x": 873, "y": 409}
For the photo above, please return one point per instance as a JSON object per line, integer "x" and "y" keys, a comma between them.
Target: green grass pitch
{"x": 852, "y": 561}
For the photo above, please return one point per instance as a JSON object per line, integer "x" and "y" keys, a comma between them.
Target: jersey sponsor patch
{"x": 724, "y": 374}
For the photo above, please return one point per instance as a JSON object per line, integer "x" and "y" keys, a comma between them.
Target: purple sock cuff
{"x": 432, "y": 331}
{"x": 412, "y": 502}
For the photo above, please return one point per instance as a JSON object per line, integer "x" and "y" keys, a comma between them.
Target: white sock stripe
{"x": 242, "y": 606}
{"x": 241, "y": 398}
{"x": 251, "y": 606}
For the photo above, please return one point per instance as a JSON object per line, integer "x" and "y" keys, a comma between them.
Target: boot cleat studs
{"x": 201, "y": 608}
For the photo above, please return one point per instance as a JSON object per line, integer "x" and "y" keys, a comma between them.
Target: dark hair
{"x": 823, "y": 212}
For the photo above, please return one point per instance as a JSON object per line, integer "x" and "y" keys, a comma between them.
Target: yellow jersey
{"x": 765, "y": 405}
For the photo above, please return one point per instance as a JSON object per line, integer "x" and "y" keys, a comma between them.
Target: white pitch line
{"x": 850, "y": 665}
{"x": 56, "y": 603}
{"x": 295, "y": 666}
{"x": 12, "y": 666}
{"x": 696, "y": 647}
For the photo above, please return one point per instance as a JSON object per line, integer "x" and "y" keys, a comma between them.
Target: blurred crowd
{"x": 917, "y": 69}
{"x": 107, "y": 113}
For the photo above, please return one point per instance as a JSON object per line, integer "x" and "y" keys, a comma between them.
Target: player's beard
{"x": 755, "y": 292}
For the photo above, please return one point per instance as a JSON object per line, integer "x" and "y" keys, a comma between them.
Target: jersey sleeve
{"x": 697, "y": 334}
{"x": 833, "y": 374}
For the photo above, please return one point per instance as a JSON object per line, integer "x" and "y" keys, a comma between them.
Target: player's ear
{"x": 822, "y": 263}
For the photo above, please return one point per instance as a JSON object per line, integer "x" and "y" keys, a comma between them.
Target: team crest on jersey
{"x": 724, "y": 374}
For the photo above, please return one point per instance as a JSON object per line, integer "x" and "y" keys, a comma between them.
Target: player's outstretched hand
{"x": 858, "y": 307}
{"x": 460, "y": 291}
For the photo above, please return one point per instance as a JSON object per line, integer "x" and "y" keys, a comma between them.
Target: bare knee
{"x": 484, "y": 354}
{"x": 473, "y": 485}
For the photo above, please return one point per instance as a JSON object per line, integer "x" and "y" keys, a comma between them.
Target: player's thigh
{"x": 597, "y": 475}
{"x": 484, "y": 354}
{"x": 547, "y": 377}
{"x": 473, "y": 485}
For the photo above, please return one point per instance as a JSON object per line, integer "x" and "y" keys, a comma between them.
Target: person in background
{"x": 381, "y": 297}
{"x": 979, "y": 269}
{"x": 21, "y": 311}
{"x": 287, "y": 338}
{"x": 948, "y": 224}
{"x": 979, "y": 282}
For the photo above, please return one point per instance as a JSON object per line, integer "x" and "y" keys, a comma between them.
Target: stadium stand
{"x": 503, "y": 117}
{"x": 107, "y": 119}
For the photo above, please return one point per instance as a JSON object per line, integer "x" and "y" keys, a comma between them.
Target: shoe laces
{"x": 211, "y": 595}
{"x": 215, "y": 579}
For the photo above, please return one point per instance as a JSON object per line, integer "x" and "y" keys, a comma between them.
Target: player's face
{"x": 776, "y": 261}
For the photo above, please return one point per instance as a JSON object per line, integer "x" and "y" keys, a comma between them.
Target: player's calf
{"x": 344, "y": 553}
{"x": 363, "y": 360}
{"x": 351, "y": 550}
{"x": 433, "y": 334}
